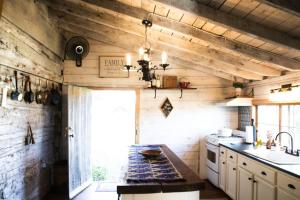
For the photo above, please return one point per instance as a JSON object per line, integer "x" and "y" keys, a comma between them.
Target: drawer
{"x": 264, "y": 172}
{"x": 245, "y": 163}
{"x": 289, "y": 184}
{"x": 231, "y": 156}
{"x": 223, "y": 152}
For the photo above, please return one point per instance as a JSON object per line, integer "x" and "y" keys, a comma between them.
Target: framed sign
{"x": 111, "y": 67}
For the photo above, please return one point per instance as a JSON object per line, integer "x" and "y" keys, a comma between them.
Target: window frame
{"x": 268, "y": 103}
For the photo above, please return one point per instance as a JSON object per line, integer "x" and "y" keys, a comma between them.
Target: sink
{"x": 277, "y": 157}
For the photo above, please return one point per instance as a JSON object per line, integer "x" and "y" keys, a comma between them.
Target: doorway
{"x": 113, "y": 117}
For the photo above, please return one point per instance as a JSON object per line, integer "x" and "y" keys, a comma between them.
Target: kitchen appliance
{"x": 213, "y": 148}
{"x": 236, "y": 101}
{"x": 249, "y": 135}
{"x": 226, "y": 132}
{"x": 77, "y": 48}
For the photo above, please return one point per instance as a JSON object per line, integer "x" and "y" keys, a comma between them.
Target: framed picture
{"x": 111, "y": 67}
{"x": 166, "y": 107}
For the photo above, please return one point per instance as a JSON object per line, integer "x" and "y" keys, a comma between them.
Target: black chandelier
{"x": 144, "y": 61}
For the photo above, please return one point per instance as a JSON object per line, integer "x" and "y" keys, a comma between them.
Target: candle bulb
{"x": 141, "y": 53}
{"x": 128, "y": 59}
{"x": 164, "y": 58}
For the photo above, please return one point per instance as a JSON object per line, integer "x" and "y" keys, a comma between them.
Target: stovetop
{"x": 216, "y": 139}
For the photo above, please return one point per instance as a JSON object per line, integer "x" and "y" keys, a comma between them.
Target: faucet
{"x": 292, "y": 144}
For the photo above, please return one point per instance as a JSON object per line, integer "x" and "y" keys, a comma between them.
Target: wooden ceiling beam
{"x": 291, "y": 6}
{"x": 130, "y": 41}
{"x": 198, "y": 50}
{"x": 217, "y": 17}
{"x": 231, "y": 22}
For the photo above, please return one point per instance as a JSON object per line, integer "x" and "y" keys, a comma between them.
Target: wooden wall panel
{"x": 25, "y": 171}
{"x": 88, "y": 74}
{"x": 262, "y": 88}
{"x": 190, "y": 120}
{"x": 193, "y": 117}
{"x": 32, "y": 17}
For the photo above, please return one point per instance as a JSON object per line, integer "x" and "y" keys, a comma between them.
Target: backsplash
{"x": 244, "y": 117}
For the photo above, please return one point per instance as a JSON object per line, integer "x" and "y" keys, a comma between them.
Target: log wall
{"x": 25, "y": 171}
{"x": 194, "y": 116}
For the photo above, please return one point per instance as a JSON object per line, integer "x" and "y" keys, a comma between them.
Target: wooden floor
{"x": 210, "y": 192}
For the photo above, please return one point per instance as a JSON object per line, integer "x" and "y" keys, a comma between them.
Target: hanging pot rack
{"x": 24, "y": 73}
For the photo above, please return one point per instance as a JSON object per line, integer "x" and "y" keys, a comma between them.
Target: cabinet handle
{"x": 233, "y": 169}
{"x": 291, "y": 186}
{"x": 223, "y": 163}
{"x": 230, "y": 157}
{"x": 264, "y": 173}
{"x": 254, "y": 181}
{"x": 222, "y": 152}
{"x": 249, "y": 179}
{"x": 245, "y": 164}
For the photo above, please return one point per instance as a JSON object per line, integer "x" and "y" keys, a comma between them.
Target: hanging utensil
{"x": 15, "y": 94}
{"x": 4, "y": 97}
{"x": 46, "y": 95}
{"x": 26, "y": 89}
{"x": 30, "y": 93}
{"x": 39, "y": 94}
{"x": 21, "y": 95}
{"x": 55, "y": 95}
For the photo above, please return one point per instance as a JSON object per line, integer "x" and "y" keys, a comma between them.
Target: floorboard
{"x": 209, "y": 193}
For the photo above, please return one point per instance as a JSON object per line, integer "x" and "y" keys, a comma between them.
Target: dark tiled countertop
{"x": 293, "y": 170}
{"x": 192, "y": 181}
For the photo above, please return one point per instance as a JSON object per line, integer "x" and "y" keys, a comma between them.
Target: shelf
{"x": 181, "y": 90}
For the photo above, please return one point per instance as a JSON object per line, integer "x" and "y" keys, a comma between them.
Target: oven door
{"x": 213, "y": 157}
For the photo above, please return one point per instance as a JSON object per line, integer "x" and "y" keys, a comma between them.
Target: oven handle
{"x": 212, "y": 147}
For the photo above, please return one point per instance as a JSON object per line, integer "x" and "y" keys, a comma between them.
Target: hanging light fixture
{"x": 144, "y": 55}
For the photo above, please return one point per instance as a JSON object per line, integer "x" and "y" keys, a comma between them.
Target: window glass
{"x": 268, "y": 121}
{"x": 290, "y": 122}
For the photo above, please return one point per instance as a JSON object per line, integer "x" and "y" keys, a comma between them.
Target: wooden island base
{"x": 193, "y": 195}
{"x": 182, "y": 190}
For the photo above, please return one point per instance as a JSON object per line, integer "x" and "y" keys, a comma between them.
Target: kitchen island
{"x": 186, "y": 188}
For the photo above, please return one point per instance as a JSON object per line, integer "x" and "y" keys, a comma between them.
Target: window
{"x": 272, "y": 119}
{"x": 267, "y": 121}
{"x": 290, "y": 122}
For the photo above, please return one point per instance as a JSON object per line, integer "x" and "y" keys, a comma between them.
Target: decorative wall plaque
{"x": 166, "y": 107}
{"x": 111, "y": 67}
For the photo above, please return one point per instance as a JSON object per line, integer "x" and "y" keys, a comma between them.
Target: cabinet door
{"x": 282, "y": 195}
{"x": 222, "y": 173}
{"x": 245, "y": 185}
{"x": 231, "y": 180}
{"x": 264, "y": 190}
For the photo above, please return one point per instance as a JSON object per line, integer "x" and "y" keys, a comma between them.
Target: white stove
{"x": 212, "y": 161}
{"x": 216, "y": 139}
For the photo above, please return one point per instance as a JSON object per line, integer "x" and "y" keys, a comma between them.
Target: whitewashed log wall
{"x": 88, "y": 74}
{"x": 30, "y": 43}
{"x": 262, "y": 88}
{"x": 193, "y": 117}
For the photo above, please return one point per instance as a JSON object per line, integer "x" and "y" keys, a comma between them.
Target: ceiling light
{"x": 144, "y": 57}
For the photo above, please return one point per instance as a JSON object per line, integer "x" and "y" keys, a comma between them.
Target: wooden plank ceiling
{"x": 231, "y": 39}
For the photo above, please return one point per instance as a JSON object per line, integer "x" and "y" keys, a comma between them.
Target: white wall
{"x": 193, "y": 117}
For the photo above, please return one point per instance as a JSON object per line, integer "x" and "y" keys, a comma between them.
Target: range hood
{"x": 236, "y": 101}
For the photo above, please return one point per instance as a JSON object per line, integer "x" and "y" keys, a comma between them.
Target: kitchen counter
{"x": 191, "y": 180}
{"x": 293, "y": 170}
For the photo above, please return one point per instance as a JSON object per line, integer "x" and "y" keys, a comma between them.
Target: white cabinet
{"x": 245, "y": 185}
{"x": 246, "y": 179}
{"x": 222, "y": 174}
{"x": 282, "y": 195}
{"x": 264, "y": 190}
{"x": 231, "y": 173}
